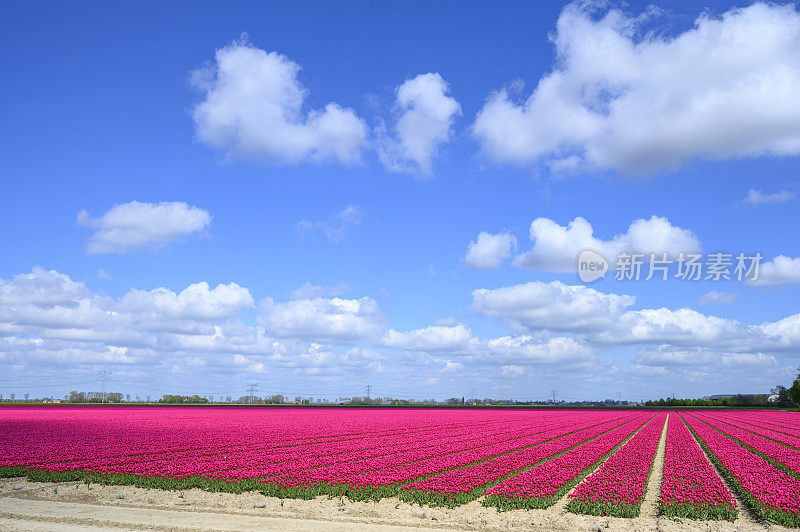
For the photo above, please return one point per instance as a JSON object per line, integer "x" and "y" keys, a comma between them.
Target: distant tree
{"x": 785, "y": 399}
{"x": 75, "y": 397}
{"x": 183, "y": 399}
{"x": 795, "y": 389}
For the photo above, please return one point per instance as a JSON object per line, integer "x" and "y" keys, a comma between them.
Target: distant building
{"x": 762, "y": 396}
{"x": 717, "y": 397}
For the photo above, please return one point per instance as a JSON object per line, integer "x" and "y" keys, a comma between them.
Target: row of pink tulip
{"x": 230, "y": 443}
{"x": 132, "y": 435}
{"x": 618, "y": 486}
{"x": 767, "y": 419}
{"x": 396, "y": 471}
{"x": 541, "y": 486}
{"x": 751, "y": 424}
{"x": 466, "y": 479}
{"x": 690, "y": 486}
{"x": 772, "y": 493}
{"x": 417, "y": 461}
{"x": 321, "y": 466}
{"x": 269, "y": 462}
{"x": 780, "y": 453}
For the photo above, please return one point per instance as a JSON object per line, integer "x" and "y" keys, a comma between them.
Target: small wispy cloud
{"x": 716, "y": 296}
{"x": 310, "y": 291}
{"x": 335, "y": 227}
{"x": 757, "y": 197}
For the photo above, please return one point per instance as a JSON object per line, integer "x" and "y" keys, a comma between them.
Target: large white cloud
{"x": 702, "y": 365}
{"x": 784, "y": 334}
{"x": 780, "y": 270}
{"x": 48, "y": 320}
{"x": 41, "y": 287}
{"x": 198, "y": 317}
{"x": 604, "y": 320}
{"x": 552, "y": 306}
{"x": 254, "y": 108}
{"x": 197, "y": 301}
{"x": 134, "y": 226}
{"x": 325, "y": 320}
{"x": 556, "y": 248}
{"x": 681, "y": 327}
{"x": 453, "y": 338}
{"x": 424, "y": 124}
{"x": 626, "y": 96}
{"x": 489, "y": 250}
{"x": 529, "y": 350}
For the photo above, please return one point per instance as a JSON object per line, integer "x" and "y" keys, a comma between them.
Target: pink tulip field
{"x": 691, "y": 487}
{"x": 598, "y": 462}
{"x": 618, "y": 486}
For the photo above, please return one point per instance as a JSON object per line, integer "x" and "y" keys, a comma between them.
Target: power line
{"x": 104, "y": 376}
{"x": 369, "y": 389}
{"x": 251, "y": 389}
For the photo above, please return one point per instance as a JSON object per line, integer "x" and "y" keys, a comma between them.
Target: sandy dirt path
{"x": 74, "y": 506}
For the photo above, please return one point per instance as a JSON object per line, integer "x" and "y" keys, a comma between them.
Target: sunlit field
{"x": 523, "y": 459}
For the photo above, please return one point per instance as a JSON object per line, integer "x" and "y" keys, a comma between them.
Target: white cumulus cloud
{"x": 254, "y": 107}
{"x": 531, "y": 351}
{"x": 325, "y": 320}
{"x": 41, "y": 288}
{"x": 625, "y": 96}
{"x": 489, "y": 250}
{"x": 681, "y": 327}
{"x": 452, "y": 338}
{"x": 780, "y": 270}
{"x": 556, "y": 248}
{"x": 702, "y": 365}
{"x": 196, "y": 301}
{"x": 426, "y": 115}
{"x": 552, "y": 306}
{"x": 134, "y": 226}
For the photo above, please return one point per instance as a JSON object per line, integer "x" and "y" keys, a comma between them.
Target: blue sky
{"x": 361, "y": 148}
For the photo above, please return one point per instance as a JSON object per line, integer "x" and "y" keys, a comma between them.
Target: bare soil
{"x": 75, "y": 506}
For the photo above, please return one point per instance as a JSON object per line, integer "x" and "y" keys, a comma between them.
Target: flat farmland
{"x": 699, "y": 466}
